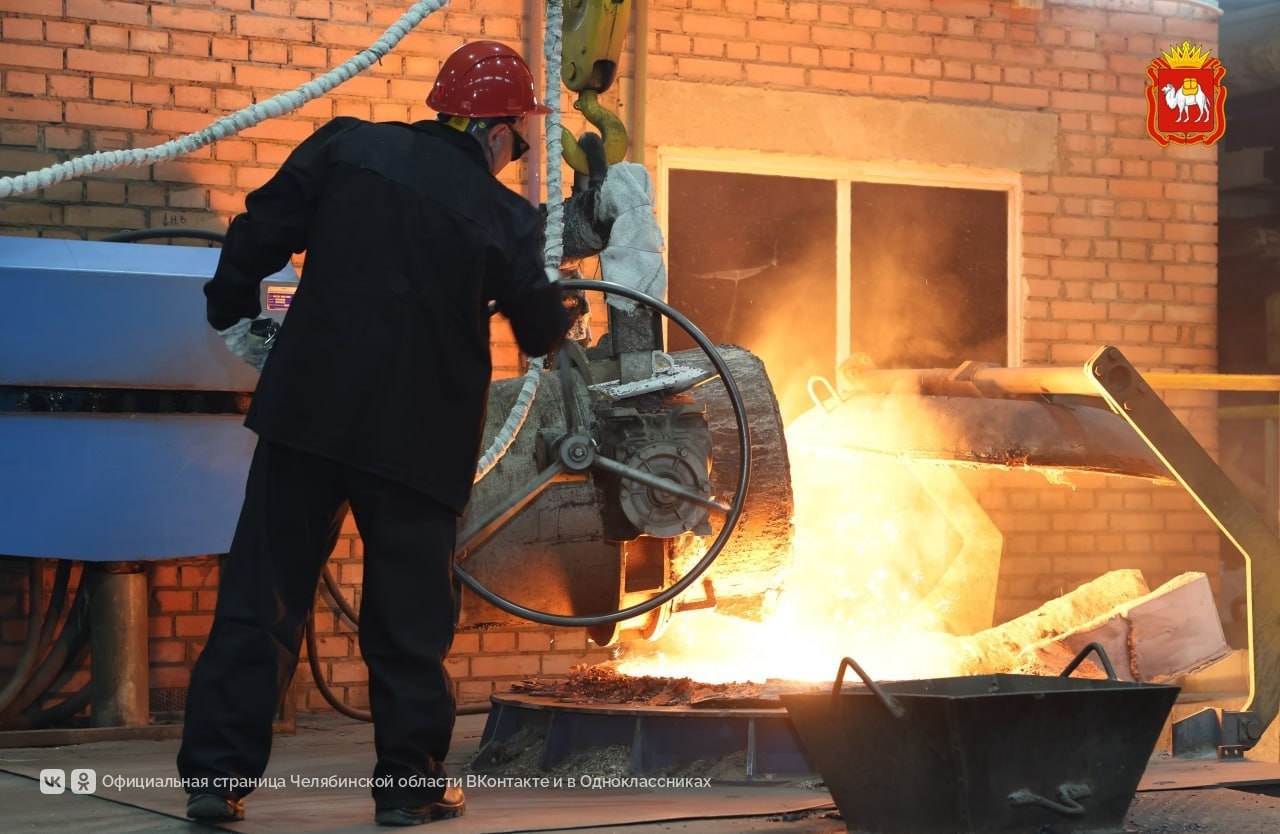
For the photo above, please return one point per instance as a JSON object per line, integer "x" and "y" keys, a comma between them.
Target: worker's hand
{"x": 575, "y": 304}
{"x": 251, "y": 340}
{"x": 584, "y": 235}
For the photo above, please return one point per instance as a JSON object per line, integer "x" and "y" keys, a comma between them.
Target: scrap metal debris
{"x": 602, "y": 684}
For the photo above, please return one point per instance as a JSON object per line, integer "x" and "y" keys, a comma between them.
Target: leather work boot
{"x": 209, "y": 807}
{"x": 452, "y": 804}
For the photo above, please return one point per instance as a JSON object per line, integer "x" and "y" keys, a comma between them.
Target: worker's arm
{"x": 272, "y": 228}
{"x": 525, "y": 296}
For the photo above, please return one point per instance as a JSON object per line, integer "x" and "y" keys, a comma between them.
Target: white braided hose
{"x": 551, "y": 47}
{"x": 228, "y": 125}
{"x": 553, "y": 249}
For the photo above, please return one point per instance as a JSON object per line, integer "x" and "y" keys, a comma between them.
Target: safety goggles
{"x": 519, "y": 147}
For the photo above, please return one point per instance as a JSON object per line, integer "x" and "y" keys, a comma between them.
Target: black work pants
{"x": 294, "y": 507}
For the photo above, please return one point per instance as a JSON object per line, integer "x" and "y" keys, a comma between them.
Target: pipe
{"x": 119, "y": 678}
{"x": 639, "y": 85}
{"x": 149, "y": 234}
{"x": 535, "y": 20}
{"x": 975, "y": 379}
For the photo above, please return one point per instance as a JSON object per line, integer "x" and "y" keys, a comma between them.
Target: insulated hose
{"x": 228, "y": 125}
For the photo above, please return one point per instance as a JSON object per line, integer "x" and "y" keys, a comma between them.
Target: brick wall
{"x": 1117, "y": 235}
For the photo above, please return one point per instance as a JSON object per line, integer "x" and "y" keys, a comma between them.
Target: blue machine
{"x": 121, "y": 411}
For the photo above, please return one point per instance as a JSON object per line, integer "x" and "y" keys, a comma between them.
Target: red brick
{"x": 349, "y": 671}
{"x": 269, "y": 52}
{"x": 1078, "y": 310}
{"x": 167, "y": 17}
{"x": 972, "y": 50}
{"x": 108, "y": 63}
{"x": 269, "y": 78}
{"x": 105, "y": 114}
{"x": 112, "y": 89}
{"x": 169, "y": 677}
{"x": 192, "y": 625}
{"x": 229, "y": 49}
{"x": 44, "y": 57}
{"x": 773, "y": 75}
{"x": 44, "y": 8}
{"x": 190, "y": 45}
{"x": 167, "y": 651}
{"x": 702, "y": 68}
{"x": 896, "y": 86}
{"x": 498, "y": 641}
{"x": 256, "y": 26}
{"x": 696, "y": 24}
{"x": 833, "y": 13}
{"x": 961, "y": 90}
{"x": 100, "y": 10}
{"x": 26, "y": 83}
{"x": 778, "y": 32}
{"x": 911, "y": 44}
{"x": 22, "y": 29}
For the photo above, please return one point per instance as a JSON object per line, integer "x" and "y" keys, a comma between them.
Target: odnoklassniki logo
{"x": 1186, "y": 98}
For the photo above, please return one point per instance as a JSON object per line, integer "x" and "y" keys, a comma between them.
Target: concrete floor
{"x": 1175, "y": 797}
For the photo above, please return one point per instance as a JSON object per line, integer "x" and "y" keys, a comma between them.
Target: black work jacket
{"x": 382, "y": 362}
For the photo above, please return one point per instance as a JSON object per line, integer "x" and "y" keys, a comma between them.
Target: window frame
{"x": 844, "y": 173}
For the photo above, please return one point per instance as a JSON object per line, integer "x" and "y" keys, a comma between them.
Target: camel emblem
{"x": 1182, "y": 98}
{"x": 1185, "y": 96}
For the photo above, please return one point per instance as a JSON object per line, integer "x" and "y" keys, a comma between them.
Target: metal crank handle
{"x": 655, "y": 482}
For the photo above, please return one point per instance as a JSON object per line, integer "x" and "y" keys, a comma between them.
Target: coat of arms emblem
{"x": 1186, "y": 97}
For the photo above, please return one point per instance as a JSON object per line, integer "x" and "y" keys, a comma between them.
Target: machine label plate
{"x": 280, "y": 296}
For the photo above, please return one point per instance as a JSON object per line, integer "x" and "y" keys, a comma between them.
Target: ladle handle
{"x": 1102, "y": 655}
{"x": 890, "y": 703}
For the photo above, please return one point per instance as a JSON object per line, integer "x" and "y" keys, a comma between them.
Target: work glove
{"x": 585, "y": 233}
{"x": 251, "y": 340}
{"x": 575, "y": 304}
{"x": 633, "y": 253}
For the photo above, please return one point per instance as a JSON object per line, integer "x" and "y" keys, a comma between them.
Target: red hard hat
{"x": 485, "y": 79}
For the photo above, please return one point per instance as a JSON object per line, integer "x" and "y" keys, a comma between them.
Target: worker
{"x": 372, "y": 397}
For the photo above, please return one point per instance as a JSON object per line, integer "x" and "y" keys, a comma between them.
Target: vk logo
{"x": 53, "y": 780}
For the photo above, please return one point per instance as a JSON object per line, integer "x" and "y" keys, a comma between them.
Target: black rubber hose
{"x": 56, "y": 714}
{"x": 69, "y": 643}
{"x": 36, "y": 718}
{"x": 57, "y": 602}
{"x": 150, "y": 234}
{"x": 335, "y": 594}
{"x": 31, "y": 640}
{"x": 313, "y": 659}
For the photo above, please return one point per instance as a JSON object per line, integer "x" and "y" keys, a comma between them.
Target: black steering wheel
{"x": 577, "y": 453}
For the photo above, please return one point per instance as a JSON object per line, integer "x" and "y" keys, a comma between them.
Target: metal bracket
{"x": 1124, "y": 389}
